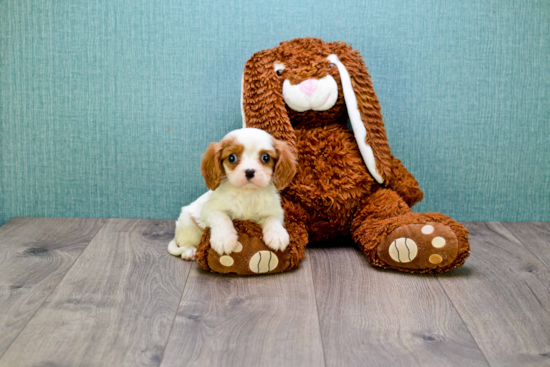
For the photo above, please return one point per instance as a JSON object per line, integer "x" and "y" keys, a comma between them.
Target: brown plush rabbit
{"x": 304, "y": 92}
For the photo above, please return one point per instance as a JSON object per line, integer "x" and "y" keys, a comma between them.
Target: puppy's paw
{"x": 224, "y": 242}
{"x": 276, "y": 237}
{"x": 186, "y": 252}
{"x": 189, "y": 253}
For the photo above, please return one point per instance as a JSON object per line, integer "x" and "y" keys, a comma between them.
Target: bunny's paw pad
{"x": 250, "y": 257}
{"x": 419, "y": 246}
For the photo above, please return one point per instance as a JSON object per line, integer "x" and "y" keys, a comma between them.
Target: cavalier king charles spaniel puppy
{"x": 244, "y": 173}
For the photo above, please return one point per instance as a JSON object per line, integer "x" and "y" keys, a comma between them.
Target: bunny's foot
{"x": 427, "y": 245}
{"x": 414, "y": 243}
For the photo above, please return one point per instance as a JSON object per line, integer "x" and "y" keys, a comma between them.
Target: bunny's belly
{"x": 331, "y": 181}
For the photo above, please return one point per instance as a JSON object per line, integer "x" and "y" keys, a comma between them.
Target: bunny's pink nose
{"x": 309, "y": 86}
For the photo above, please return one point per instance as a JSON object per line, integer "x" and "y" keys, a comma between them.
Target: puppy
{"x": 244, "y": 172}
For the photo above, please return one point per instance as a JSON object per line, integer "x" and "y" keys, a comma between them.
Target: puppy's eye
{"x": 331, "y": 64}
{"x": 232, "y": 158}
{"x": 266, "y": 158}
{"x": 279, "y": 72}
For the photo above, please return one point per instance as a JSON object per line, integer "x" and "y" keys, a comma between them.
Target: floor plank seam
{"x": 175, "y": 316}
{"x": 463, "y": 322}
{"x": 317, "y": 309}
{"x": 53, "y": 289}
{"x": 526, "y": 247}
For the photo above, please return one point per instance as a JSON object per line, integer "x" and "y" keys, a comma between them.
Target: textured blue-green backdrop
{"x": 107, "y": 105}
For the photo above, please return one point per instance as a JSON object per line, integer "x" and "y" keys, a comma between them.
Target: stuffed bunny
{"x": 304, "y": 92}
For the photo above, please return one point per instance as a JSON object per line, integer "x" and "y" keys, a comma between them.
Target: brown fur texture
{"x": 211, "y": 165}
{"x": 333, "y": 193}
{"x": 286, "y": 165}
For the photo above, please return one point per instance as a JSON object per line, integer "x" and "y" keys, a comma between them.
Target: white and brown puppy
{"x": 244, "y": 172}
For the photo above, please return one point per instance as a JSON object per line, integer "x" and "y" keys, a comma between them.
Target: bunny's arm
{"x": 404, "y": 183}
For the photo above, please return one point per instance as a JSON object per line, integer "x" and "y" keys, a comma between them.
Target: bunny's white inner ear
{"x": 355, "y": 118}
{"x": 242, "y": 101}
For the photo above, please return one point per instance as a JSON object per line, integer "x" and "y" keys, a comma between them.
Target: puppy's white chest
{"x": 250, "y": 207}
{"x": 253, "y": 205}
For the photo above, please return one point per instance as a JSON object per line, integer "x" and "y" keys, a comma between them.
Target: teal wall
{"x": 107, "y": 105}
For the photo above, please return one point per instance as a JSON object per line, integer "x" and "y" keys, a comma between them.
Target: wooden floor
{"x": 104, "y": 292}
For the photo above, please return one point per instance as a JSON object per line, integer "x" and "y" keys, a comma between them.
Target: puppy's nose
{"x": 309, "y": 86}
{"x": 249, "y": 173}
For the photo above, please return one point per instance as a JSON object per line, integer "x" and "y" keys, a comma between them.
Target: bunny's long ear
{"x": 263, "y": 106}
{"x": 363, "y": 111}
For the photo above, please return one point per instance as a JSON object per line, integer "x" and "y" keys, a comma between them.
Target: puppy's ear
{"x": 263, "y": 106}
{"x": 211, "y": 166}
{"x": 363, "y": 110}
{"x": 286, "y": 165}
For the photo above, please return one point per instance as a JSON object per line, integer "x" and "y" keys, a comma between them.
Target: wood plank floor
{"x": 104, "y": 292}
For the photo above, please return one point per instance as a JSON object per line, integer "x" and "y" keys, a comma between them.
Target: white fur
{"x": 261, "y": 206}
{"x": 237, "y": 197}
{"x": 189, "y": 228}
{"x": 254, "y": 140}
{"x": 242, "y": 101}
{"x": 355, "y": 118}
{"x": 322, "y": 99}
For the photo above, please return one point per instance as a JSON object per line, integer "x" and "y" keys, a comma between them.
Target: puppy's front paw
{"x": 276, "y": 237}
{"x": 223, "y": 242}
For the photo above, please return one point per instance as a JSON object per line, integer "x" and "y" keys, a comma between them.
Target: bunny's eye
{"x": 278, "y": 68}
{"x": 266, "y": 158}
{"x": 232, "y": 158}
{"x": 331, "y": 64}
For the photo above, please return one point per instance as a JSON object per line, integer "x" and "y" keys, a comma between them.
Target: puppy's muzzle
{"x": 249, "y": 173}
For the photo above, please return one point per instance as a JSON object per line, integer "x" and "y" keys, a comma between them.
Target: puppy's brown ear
{"x": 285, "y": 166}
{"x": 363, "y": 110}
{"x": 262, "y": 97}
{"x": 211, "y": 166}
